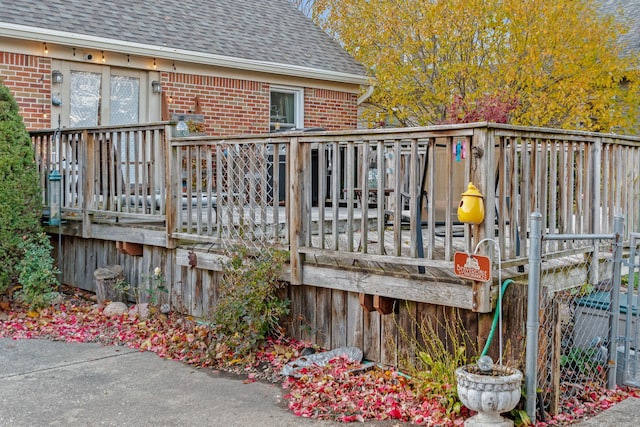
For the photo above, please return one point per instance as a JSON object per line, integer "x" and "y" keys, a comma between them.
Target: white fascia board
{"x": 160, "y": 52}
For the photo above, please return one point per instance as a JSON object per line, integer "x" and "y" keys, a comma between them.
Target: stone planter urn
{"x": 489, "y": 391}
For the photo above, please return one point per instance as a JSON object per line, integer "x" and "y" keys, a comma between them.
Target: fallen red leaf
{"x": 338, "y": 391}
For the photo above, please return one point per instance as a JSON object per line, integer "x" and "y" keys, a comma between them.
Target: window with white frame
{"x": 286, "y": 109}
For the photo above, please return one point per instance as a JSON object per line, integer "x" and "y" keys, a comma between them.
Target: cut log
{"x": 106, "y": 279}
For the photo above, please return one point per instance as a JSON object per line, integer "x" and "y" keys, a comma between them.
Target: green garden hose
{"x": 496, "y": 316}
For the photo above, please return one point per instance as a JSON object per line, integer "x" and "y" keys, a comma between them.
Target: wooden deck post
{"x": 88, "y": 162}
{"x": 296, "y": 165}
{"x": 171, "y": 183}
{"x": 482, "y": 301}
{"x": 595, "y": 214}
{"x": 482, "y": 174}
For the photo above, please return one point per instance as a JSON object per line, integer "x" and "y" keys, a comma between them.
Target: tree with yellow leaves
{"x": 554, "y": 63}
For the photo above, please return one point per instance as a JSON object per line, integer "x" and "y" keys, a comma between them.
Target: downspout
{"x": 366, "y": 95}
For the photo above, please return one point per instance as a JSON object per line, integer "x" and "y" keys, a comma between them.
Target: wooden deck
{"x": 190, "y": 198}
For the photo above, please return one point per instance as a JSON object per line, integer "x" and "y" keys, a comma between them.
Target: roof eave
{"x": 91, "y": 42}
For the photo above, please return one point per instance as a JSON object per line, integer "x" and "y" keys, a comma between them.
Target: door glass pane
{"x": 125, "y": 97}
{"x": 84, "y": 102}
{"x": 282, "y": 115}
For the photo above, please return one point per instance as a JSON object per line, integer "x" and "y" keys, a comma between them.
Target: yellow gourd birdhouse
{"x": 471, "y": 208}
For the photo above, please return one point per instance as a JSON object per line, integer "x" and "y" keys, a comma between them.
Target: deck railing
{"x": 381, "y": 197}
{"x": 230, "y": 191}
{"x": 117, "y": 171}
{"x": 357, "y": 193}
{"x": 579, "y": 181}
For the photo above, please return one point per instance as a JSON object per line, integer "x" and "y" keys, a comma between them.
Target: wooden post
{"x": 594, "y": 226}
{"x": 482, "y": 174}
{"x": 171, "y": 182}
{"x": 296, "y": 165}
{"x": 414, "y": 191}
{"x": 482, "y": 301}
{"x": 88, "y": 162}
{"x": 106, "y": 280}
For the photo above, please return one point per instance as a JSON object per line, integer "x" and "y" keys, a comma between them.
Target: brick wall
{"x": 330, "y": 109}
{"x": 231, "y": 106}
{"x": 234, "y": 106}
{"x": 29, "y": 80}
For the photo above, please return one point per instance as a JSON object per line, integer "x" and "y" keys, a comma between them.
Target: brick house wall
{"x": 330, "y": 109}
{"x": 233, "y": 106}
{"x": 230, "y": 106}
{"x": 29, "y": 80}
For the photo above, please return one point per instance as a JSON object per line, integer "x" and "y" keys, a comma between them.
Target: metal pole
{"x": 614, "y": 307}
{"x": 57, "y": 138}
{"x": 628, "y": 341}
{"x": 59, "y": 257}
{"x": 533, "y": 317}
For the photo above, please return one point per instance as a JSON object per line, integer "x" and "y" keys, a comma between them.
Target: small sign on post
{"x": 472, "y": 267}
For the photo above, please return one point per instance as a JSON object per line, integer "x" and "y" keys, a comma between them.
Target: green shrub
{"x": 37, "y": 274}
{"x": 20, "y": 197}
{"x": 248, "y": 308}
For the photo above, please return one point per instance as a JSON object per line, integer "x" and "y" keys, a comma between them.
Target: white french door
{"x": 97, "y": 95}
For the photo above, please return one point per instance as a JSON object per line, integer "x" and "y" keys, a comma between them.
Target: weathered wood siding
{"x": 191, "y": 290}
{"x": 330, "y": 318}
{"x": 333, "y": 318}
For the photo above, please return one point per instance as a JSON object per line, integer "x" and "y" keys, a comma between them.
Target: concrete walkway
{"x": 625, "y": 413}
{"x": 46, "y": 383}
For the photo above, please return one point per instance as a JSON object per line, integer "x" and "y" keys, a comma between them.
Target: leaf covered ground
{"x": 339, "y": 391}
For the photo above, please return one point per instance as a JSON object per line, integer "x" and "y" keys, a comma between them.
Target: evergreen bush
{"x": 20, "y": 197}
{"x": 37, "y": 274}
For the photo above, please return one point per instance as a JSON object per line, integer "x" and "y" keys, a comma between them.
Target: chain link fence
{"x": 575, "y": 294}
{"x": 630, "y": 281}
{"x": 574, "y": 327}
